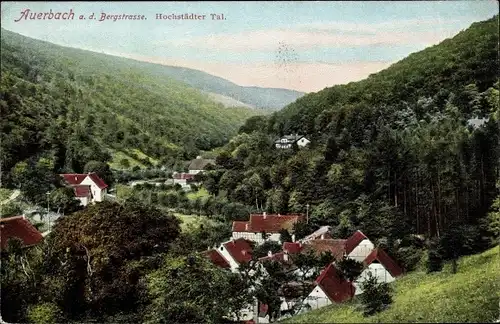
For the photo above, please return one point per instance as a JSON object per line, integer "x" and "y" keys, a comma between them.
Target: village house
{"x": 199, "y": 165}
{"x": 330, "y": 288}
{"x": 184, "y": 180}
{"x": 236, "y": 252}
{"x": 358, "y": 246}
{"x": 18, "y": 227}
{"x": 262, "y": 227}
{"x": 287, "y": 141}
{"x": 87, "y": 187}
{"x": 381, "y": 266}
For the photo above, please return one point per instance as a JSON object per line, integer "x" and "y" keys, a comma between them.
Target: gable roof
{"x": 292, "y": 247}
{"x": 384, "y": 259}
{"x": 74, "y": 179}
{"x": 335, "y": 246}
{"x": 268, "y": 223}
{"x": 289, "y": 138}
{"x": 334, "y": 285}
{"x": 323, "y": 230}
{"x": 353, "y": 241}
{"x": 97, "y": 180}
{"x": 240, "y": 249}
{"x": 216, "y": 258}
{"x": 200, "y": 164}
{"x": 20, "y": 227}
{"x": 82, "y": 191}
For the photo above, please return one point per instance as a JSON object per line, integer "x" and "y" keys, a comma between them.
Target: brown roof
{"x": 200, "y": 164}
{"x": 384, "y": 259}
{"x": 183, "y": 176}
{"x": 216, "y": 258}
{"x": 336, "y": 247}
{"x": 18, "y": 227}
{"x": 240, "y": 249}
{"x": 272, "y": 223}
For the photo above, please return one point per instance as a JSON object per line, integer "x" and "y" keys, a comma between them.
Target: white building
{"x": 358, "y": 246}
{"x": 88, "y": 187}
{"x": 287, "y": 141}
{"x": 381, "y": 266}
{"x": 199, "y": 165}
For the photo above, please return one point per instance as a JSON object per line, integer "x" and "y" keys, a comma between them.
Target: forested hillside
{"x": 391, "y": 155}
{"x": 72, "y": 106}
{"x": 265, "y": 98}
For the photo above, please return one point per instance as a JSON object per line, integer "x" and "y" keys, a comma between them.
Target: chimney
{"x": 285, "y": 256}
{"x": 246, "y": 227}
{"x": 264, "y": 214}
{"x": 322, "y": 236}
{"x": 293, "y": 237}
{"x": 269, "y": 253}
{"x": 244, "y": 252}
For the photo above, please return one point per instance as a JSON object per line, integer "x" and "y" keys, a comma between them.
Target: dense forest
{"x": 412, "y": 149}
{"x": 73, "y": 106}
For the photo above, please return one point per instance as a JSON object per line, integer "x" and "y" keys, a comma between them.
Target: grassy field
{"x": 471, "y": 295}
{"x": 188, "y": 220}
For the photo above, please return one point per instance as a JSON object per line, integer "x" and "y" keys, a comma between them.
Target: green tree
{"x": 203, "y": 292}
{"x": 101, "y": 169}
{"x": 63, "y": 200}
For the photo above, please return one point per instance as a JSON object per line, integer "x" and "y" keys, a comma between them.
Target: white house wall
{"x": 256, "y": 237}
{"x": 378, "y": 271}
{"x": 316, "y": 299}
{"x": 84, "y": 201}
{"x": 97, "y": 193}
{"x": 361, "y": 251}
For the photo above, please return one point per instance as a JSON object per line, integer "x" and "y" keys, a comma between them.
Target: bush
{"x": 44, "y": 313}
{"x": 409, "y": 257}
{"x": 376, "y": 296}
{"x": 434, "y": 261}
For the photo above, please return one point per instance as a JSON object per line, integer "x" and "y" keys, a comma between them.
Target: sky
{"x": 300, "y": 45}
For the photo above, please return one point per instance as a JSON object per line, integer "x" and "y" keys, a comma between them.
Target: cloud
{"x": 322, "y": 35}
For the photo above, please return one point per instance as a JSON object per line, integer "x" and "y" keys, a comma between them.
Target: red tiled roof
{"x": 273, "y": 223}
{"x": 216, "y": 258}
{"x": 292, "y": 247}
{"x": 239, "y": 226}
{"x": 336, "y": 247}
{"x": 353, "y": 241}
{"x": 278, "y": 256}
{"x": 335, "y": 287}
{"x": 385, "y": 260}
{"x": 82, "y": 191}
{"x": 97, "y": 180}
{"x": 239, "y": 249}
{"x": 77, "y": 178}
{"x": 19, "y": 227}
{"x": 73, "y": 178}
{"x": 183, "y": 176}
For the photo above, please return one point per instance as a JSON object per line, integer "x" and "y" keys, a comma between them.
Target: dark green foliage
{"x": 376, "y": 296}
{"x": 349, "y": 268}
{"x": 285, "y": 236}
{"x": 263, "y": 249}
{"x": 63, "y": 200}
{"x": 203, "y": 292}
{"x": 104, "y": 250}
{"x": 435, "y": 260}
{"x": 78, "y": 106}
{"x": 101, "y": 169}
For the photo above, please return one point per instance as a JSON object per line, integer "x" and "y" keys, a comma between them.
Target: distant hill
{"x": 264, "y": 98}
{"x": 79, "y": 105}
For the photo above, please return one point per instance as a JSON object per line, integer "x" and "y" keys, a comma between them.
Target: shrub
{"x": 409, "y": 257}
{"x": 44, "y": 313}
{"x": 376, "y": 296}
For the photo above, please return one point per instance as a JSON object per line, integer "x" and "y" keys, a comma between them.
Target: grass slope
{"x": 471, "y": 295}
